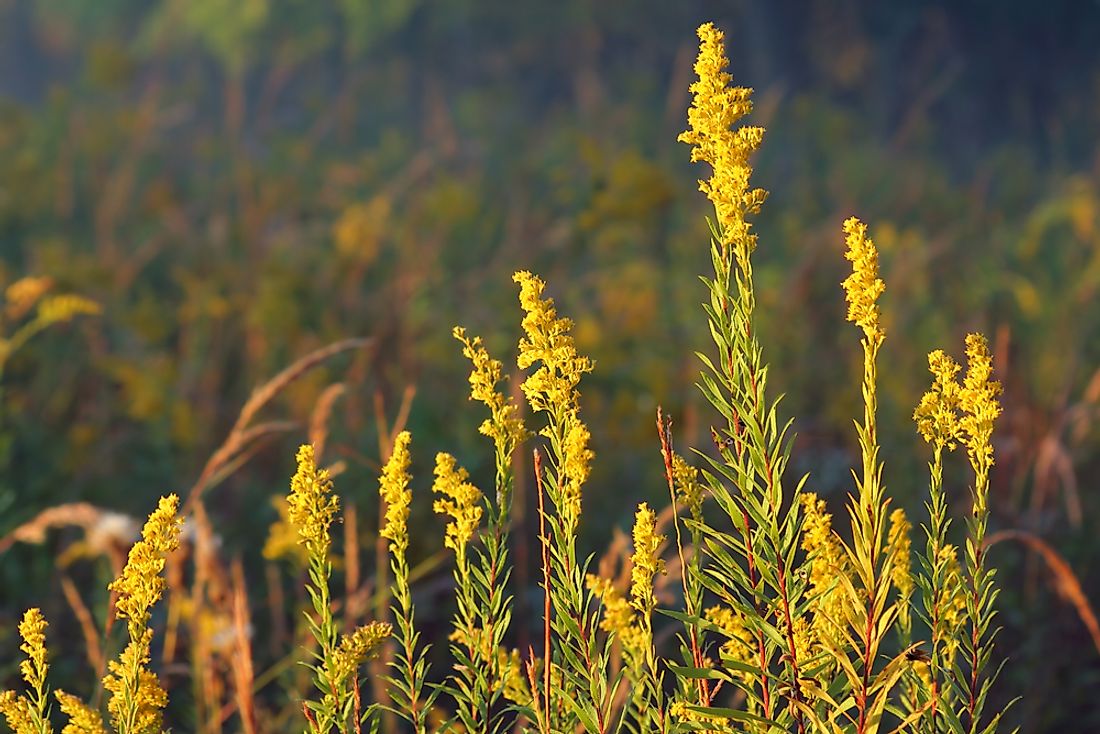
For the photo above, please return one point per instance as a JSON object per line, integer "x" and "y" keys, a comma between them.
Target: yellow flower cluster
{"x": 685, "y": 478}
{"x": 863, "y": 286}
{"x": 937, "y": 414}
{"x": 312, "y": 504}
{"x": 619, "y": 616}
{"x": 21, "y": 295}
{"x": 140, "y": 710}
{"x": 33, "y": 631}
{"x": 461, "y": 502}
{"x": 393, "y": 488}
{"x": 17, "y": 712}
{"x": 27, "y": 715}
{"x": 357, "y": 646}
{"x": 140, "y": 585}
{"x": 739, "y": 640}
{"x": 951, "y": 604}
{"x": 513, "y": 683}
{"x": 647, "y": 561}
{"x": 900, "y": 548}
{"x": 58, "y": 309}
{"x": 978, "y": 401}
{"x": 828, "y": 560}
{"x": 553, "y": 388}
{"x": 83, "y": 719}
{"x": 715, "y": 108}
{"x": 282, "y": 536}
{"x": 950, "y": 412}
{"x": 547, "y": 340}
{"x": 505, "y": 426}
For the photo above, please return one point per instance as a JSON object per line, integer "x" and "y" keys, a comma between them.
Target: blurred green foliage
{"x": 238, "y": 182}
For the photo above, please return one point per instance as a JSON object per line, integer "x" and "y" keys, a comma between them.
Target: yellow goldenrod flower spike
{"x": 461, "y": 502}
{"x": 978, "y": 401}
{"x": 17, "y": 712}
{"x": 715, "y": 108}
{"x": 83, "y": 719}
{"x": 135, "y": 710}
{"x": 739, "y": 644}
{"x": 58, "y": 309}
{"x": 140, "y": 586}
{"x": 646, "y": 561}
{"x": 830, "y": 605}
{"x": 863, "y": 286}
{"x": 900, "y": 547}
{"x": 620, "y": 617}
{"x": 685, "y": 478}
{"x": 393, "y": 488}
{"x": 358, "y": 646}
{"x": 937, "y": 414}
{"x": 547, "y": 340}
{"x": 505, "y": 426}
{"x": 33, "y": 631}
{"x": 312, "y": 504}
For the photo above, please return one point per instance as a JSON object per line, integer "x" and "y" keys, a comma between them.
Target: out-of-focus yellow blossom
{"x": 828, "y": 560}
{"x": 685, "y": 478}
{"x": 739, "y": 641}
{"x": 137, "y": 711}
{"x": 58, "y": 309}
{"x": 900, "y": 547}
{"x": 619, "y": 617}
{"x": 647, "y": 563}
{"x": 978, "y": 401}
{"x": 461, "y": 502}
{"x": 83, "y": 719}
{"x": 24, "y": 293}
{"x": 393, "y": 488}
{"x": 312, "y": 505}
{"x": 33, "y": 631}
{"x": 475, "y": 639}
{"x": 505, "y": 426}
{"x": 513, "y": 683}
{"x": 282, "y": 536}
{"x": 360, "y": 229}
{"x": 358, "y": 646}
{"x": 937, "y": 414}
{"x": 951, "y": 604}
{"x": 680, "y": 711}
{"x": 140, "y": 586}
{"x": 715, "y": 108}
{"x": 863, "y": 286}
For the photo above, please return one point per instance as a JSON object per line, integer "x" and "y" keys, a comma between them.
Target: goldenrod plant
{"x": 788, "y": 618}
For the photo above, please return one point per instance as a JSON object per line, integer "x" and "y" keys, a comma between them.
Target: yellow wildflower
{"x": 282, "y": 536}
{"x": 393, "y": 487}
{"x": 312, "y": 505}
{"x": 137, "y": 711}
{"x": 462, "y": 502}
{"x": 978, "y": 401}
{"x": 513, "y": 683}
{"x": 57, "y": 309}
{"x": 739, "y": 639}
{"x": 552, "y": 388}
{"x": 900, "y": 548}
{"x": 863, "y": 286}
{"x": 716, "y": 107}
{"x": 33, "y": 631}
{"x": 140, "y": 586}
{"x": 83, "y": 719}
{"x": 685, "y": 478}
{"x": 24, "y": 293}
{"x": 827, "y": 561}
{"x": 357, "y": 646}
{"x": 548, "y": 341}
{"x": 619, "y": 616}
{"x": 17, "y": 712}
{"x": 505, "y": 426}
{"x": 647, "y": 562}
{"x": 937, "y": 414}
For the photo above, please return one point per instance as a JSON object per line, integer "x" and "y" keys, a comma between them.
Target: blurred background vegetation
{"x": 238, "y": 182}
